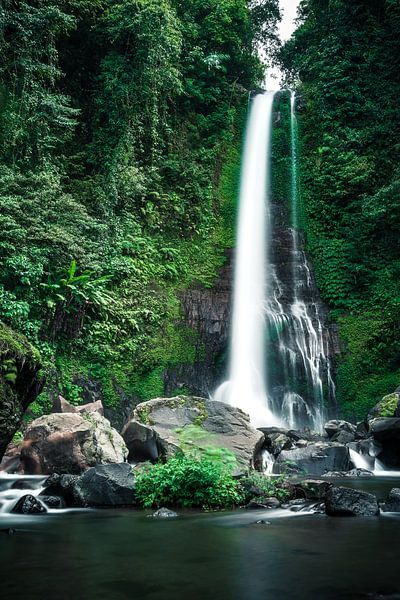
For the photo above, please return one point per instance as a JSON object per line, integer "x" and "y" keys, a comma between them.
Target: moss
{"x": 388, "y": 405}
{"x": 15, "y": 345}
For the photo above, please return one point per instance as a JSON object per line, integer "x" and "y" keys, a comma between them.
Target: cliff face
{"x": 19, "y": 382}
{"x": 207, "y": 312}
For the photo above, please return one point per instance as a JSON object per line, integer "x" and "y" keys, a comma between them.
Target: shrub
{"x": 188, "y": 483}
{"x": 260, "y": 486}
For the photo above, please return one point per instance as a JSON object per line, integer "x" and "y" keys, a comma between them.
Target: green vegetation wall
{"x": 117, "y": 120}
{"x": 345, "y": 61}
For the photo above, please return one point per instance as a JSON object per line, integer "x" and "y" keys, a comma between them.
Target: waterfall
{"x": 246, "y": 387}
{"x": 279, "y": 370}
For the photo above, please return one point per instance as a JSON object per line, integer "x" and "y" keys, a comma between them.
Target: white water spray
{"x": 246, "y": 386}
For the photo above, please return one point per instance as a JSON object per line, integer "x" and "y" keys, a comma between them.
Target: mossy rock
{"x": 20, "y": 382}
{"x": 387, "y": 407}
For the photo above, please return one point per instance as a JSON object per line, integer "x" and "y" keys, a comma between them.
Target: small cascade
{"x": 359, "y": 461}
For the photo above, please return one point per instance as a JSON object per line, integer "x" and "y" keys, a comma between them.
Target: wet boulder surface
{"x": 155, "y": 429}
{"x": 343, "y": 501}
{"x": 314, "y": 459}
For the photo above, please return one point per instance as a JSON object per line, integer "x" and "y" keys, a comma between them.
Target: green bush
{"x": 260, "y": 486}
{"x": 188, "y": 483}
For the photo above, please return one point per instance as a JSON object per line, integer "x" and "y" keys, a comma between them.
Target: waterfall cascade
{"x": 279, "y": 370}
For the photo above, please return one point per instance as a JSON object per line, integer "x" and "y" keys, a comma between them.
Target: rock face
{"x": 70, "y": 443}
{"x": 386, "y": 430}
{"x": 106, "y": 485}
{"x": 315, "y": 459}
{"x": 153, "y": 429}
{"x": 342, "y": 501}
{"x": 334, "y": 427}
{"x": 19, "y": 382}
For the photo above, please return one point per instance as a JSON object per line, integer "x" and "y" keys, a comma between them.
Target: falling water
{"x": 279, "y": 371}
{"x": 246, "y": 386}
{"x": 303, "y": 371}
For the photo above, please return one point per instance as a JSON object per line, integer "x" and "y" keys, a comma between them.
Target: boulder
{"x": 392, "y": 503}
{"x": 342, "y": 501}
{"x": 53, "y": 501}
{"x": 315, "y": 459}
{"x": 61, "y": 405}
{"x": 386, "y": 431}
{"x": 70, "y": 443}
{"x": 164, "y": 513}
{"x": 351, "y": 473}
{"x": 106, "y": 485}
{"x": 261, "y": 502}
{"x": 156, "y": 427}
{"x": 335, "y": 427}
{"x": 312, "y": 489}
{"x": 61, "y": 486}
{"x": 29, "y": 505}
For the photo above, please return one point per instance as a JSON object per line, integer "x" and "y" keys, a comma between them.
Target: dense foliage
{"x": 345, "y": 60}
{"x": 119, "y": 127}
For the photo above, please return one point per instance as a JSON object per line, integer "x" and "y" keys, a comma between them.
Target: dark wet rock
{"x": 343, "y": 437}
{"x": 164, "y": 513}
{"x": 23, "y": 484}
{"x": 29, "y": 505}
{"x": 263, "y": 502}
{"x": 392, "y": 503}
{"x": 223, "y": 425}
{"x": 262, "y": 522}
{"x": 342, "y": 501}
{"x": 351, "y": 473}
{"x": 335, "y": 426}
{"x": 279, "y": 442}
{"x": 53, "y": 501}
{"x": 141, "y": 441}
{"x": 106, "y": 485}
{"x": 312, "y": 489}
{"x": 9, "y": 531}
{"x": 315, "y": 459}
{"x": 386, "y": 431}
{"x": 70, "y": 443}
{"x": 62, "y": 486}
{"x": 362, "y": 430}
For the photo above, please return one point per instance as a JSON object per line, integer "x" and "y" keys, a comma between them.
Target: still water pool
{"x": 122, "y": 555}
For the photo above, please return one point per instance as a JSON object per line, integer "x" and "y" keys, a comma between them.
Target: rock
{"x": 106, "y": 485}
{"x": 343, "y": 437}
{"x": 263, "y": 502}
{"x": 334, "y": 427}
{"x": 387, "y": 407}
{"x": 29, "y": 505}
{"x": 346, "y": 501}
{"x": 223, "y": 426}
{"x": 20, "y": 383}
{"x": 278, "y": 442}
{"x": 164, "y": 513}
{"x": 141, "y": 441}
{"x": 61, "y": 405}
{"x": 315, "y": 459}
{"x": 312, "y": 489}
{"x": 386, "y": 430}
{"x": 62, "y": 486}
{"x": 351, "y": 473}
{"x": 362, "y": 430}
{"x": 53, "y": 501}
{"x": 392, "y": 503}
{"x": 263, "y": 522}
{"x": 70, "y": 443}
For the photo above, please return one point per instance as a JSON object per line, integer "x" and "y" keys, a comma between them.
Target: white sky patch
{"x": 286, "y": 28}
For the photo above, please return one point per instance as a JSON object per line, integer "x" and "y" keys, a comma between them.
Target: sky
{"x": 286, "y": 28}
